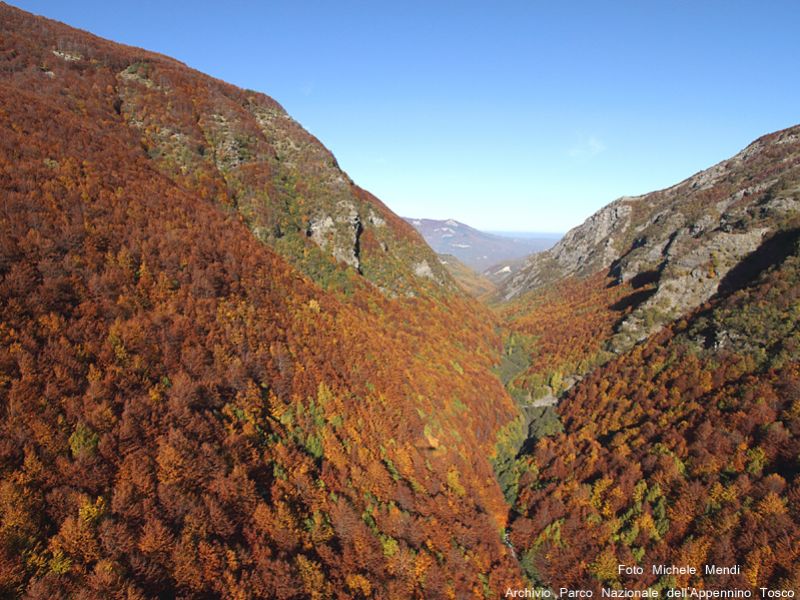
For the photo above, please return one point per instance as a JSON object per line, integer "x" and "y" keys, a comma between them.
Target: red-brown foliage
{"x": 183, "y": 412}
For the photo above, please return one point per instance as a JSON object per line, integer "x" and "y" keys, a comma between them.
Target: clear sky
{"x": 522, "y": 115}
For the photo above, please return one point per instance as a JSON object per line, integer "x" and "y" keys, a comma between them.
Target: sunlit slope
{"x": 682, "y": 451}
{"x": 664, "y": 330}
{"x": 192, "y": 406}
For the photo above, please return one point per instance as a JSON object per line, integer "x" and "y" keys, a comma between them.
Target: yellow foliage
{"x": 312, "y": 578}
{"x": 359, "y": 584}
{"x": 639, "y": 491}
{"x": 647, "y": 524}
{"x": 92, "y": 512}
{"x": 753, "y": 563}
{"x": 720, "y": 493}
{"x": 771, "y": 504}
{"x": 422, "y": 563}
{"x": 454, "y": 482}
{"x": 598, "y": 489}
{"x": 605, "y": 566}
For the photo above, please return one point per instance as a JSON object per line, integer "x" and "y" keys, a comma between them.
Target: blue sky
{"x": 506, "y": 115}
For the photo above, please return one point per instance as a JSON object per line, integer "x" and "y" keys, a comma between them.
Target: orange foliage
{"x": 181, "y": 410}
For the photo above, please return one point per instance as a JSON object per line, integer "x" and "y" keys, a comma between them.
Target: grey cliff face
{"x": 582, "y": 251}
{"x": 682, "y": 241}
{"x": 242, "y": 148}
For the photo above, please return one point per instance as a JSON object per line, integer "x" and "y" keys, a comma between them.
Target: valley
{"x": 228, "y": 371}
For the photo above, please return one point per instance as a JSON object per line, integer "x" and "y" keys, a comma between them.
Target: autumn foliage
{"x": 185, "y": 413}
{"x": 682, "y": 451}
{"x": 562, "y": 330}
{"x": 209, "y": 388}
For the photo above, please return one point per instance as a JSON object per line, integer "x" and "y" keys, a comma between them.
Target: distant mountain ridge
{"x": 477, "y": 249}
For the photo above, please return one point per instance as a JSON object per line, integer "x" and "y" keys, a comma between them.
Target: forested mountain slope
{"x": 473, "y": 283}
{"x": 682, "y": 451}
{"x": 183, "y": 411}
{"x": 227, "y": 371}
{"x": 640, "y": 263}
{"x": 683, "y": 240}
{"x": 237, "y": 147}
{"x": 666, "y": 330}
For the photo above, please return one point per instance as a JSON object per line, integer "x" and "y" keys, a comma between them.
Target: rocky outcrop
{"x": 242, "y": 149}
{"x": 338, "y": 232}
{"x": 583, "y": 250}
{"x": 687, "y": 279}
{"x": 679, "y": 244}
